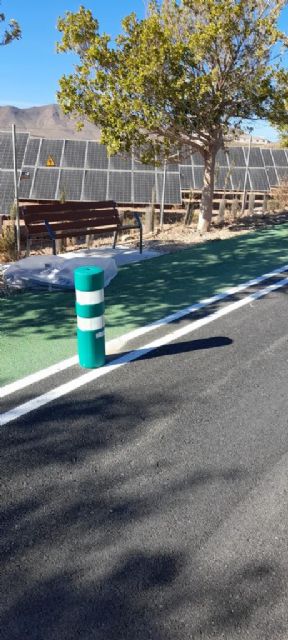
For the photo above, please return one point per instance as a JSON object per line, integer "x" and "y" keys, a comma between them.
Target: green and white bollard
{"x": 89, "y": 286}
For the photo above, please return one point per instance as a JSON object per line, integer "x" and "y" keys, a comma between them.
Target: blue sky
{"x": 30, "y": 68}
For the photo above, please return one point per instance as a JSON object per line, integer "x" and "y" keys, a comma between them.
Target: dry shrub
{"x": 280, "y": 195}
{"x": 8, "y": 250}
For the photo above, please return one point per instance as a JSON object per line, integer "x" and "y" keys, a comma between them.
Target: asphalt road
{"x": 153, "y": 504}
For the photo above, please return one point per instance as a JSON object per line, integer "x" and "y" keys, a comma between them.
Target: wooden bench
{"x": 72, "y": 219}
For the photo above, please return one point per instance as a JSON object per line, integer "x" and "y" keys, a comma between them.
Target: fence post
{"x": 89, "y": 286}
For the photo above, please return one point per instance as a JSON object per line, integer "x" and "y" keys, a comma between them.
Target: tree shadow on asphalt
{"x": 89, "y": 548}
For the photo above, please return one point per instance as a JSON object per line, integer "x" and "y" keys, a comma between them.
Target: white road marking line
{"x": 116, "y": 343}
{"x": 68, "y": 387}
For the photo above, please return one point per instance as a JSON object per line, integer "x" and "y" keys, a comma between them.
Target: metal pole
{"x": 163, "y": 196}
{"x": 16, "y": 201}
{"x": 246, "y": 178}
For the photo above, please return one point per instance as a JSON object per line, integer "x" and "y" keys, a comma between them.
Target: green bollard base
{"x": 91, "y": 349}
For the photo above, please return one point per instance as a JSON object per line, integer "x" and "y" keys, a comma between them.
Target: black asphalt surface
{"x": 153, "y": 503}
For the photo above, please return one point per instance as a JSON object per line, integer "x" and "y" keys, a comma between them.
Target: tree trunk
{"x": 206, "y": 207}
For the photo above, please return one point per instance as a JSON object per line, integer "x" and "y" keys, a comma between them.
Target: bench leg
{"x": 114, "y": 239}
{"x": 54, "y": 247}
{"x": 28, "y": 244}
{"x": 141, "y": 239}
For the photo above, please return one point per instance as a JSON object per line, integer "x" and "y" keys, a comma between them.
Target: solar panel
{"x": 221, "y": 158}
{"x": 120, "y": 186}
{"x": 139, "y": 166}
{"x": 6, "y": 191}
{"x": 97, "y": 157}
{"x": 186, "y": 177}
{"x": 236, "y": 156}
{"x": 25, "y": 182}
{"x": 95, "y": 185}
{"x": 31, "y": 152}
{"x": 51, "y": 153}
{"x": 238, "y": 179}
{"x": 172, "y": 188}
{"x": 74, "y": 153}
{"x": 45, "y": 184}
{"x": 143, "y": 185}
{"x": 6, "y": 149}
{"x": 258, "y": 179}
{"x": 255, "y": 157}
{"x": 267, "y": 157}
{"x": 197, "y": 159}
{"x": 121, "y": 162}
{"x": 282, "y": 173}
{"x": 172, "y": 167}
{"x": 279, "y": 157}
{"x": 222, "y": 178}
{"x": 198, "y": 177}
{"x": 70, "y": 184}
{"x": 272, "y": 177}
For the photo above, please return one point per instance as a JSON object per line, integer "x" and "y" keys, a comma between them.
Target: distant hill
{"x": 46, "y": 121}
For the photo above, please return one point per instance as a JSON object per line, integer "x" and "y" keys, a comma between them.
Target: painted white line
{"x": 116, "y": 343}
{"x": 85, "y": 379}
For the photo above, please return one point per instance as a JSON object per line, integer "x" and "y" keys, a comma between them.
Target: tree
{"x": 180, "y": 78}
{"x": 11, "y": 32}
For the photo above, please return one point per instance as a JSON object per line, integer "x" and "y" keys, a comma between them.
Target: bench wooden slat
{"x": 96, "y": 224}
{"x": 65, "y": 206}
{"x": 81, "y": 216}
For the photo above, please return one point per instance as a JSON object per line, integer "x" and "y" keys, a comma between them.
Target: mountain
{"x": 46, "y": 121}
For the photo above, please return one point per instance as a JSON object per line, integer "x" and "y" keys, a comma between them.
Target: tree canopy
{"x": 11, "y": 32}
{"x": 178, "y": 79}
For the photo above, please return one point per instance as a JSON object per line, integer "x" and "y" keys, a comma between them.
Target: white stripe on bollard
{"x": 90, "y": 297}
{"x": 90, "y": 324}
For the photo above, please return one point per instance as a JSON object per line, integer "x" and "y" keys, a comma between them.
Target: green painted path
{"x": 38, "y": 329}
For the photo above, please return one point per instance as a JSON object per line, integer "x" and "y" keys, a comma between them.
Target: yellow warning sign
{"x": 50, "y": 162}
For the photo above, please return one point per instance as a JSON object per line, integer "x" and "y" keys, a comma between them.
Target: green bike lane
{"x": 37, "y": 329}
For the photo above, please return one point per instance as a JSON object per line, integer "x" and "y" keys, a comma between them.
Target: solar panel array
{"x": 82, "y": 170}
